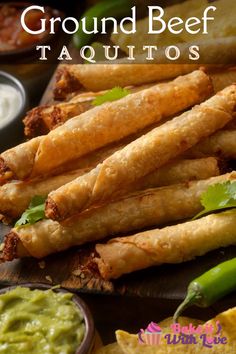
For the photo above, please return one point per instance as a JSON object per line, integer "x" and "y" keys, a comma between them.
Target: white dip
{"x": 10, "y": 103}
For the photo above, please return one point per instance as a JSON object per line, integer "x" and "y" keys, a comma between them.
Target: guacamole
{"x": 37, "y": 321}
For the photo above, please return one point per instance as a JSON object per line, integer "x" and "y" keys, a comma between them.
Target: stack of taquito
{"x": 125, "y": 166}
{"x": 42, "y": 119}
{"x": 104, "y": 125}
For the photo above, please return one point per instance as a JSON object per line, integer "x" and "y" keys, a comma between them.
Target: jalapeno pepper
{"x": 210, "y": 287}
{"x": 106, "y": 8}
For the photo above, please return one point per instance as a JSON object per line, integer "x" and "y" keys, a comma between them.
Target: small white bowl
{"x": 11, "y": 130}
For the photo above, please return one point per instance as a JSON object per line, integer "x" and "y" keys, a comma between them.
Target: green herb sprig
{"x": 218, "y": 197}
{"x": 112, "y": 95}
{"x": 34, "y": 213}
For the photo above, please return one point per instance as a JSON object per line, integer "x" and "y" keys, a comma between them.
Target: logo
{"x": 151, "y": 335}
{"x": 207, "y": 335}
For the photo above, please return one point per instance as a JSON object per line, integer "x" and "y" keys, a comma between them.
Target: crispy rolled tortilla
{"x": 144, "y": 209}
{"x": 20, "y": 159}
{"x": 177, "y": 172}
{"x": 106, "y": 76}
{"x": 15, "y": 197}
{"x": 71, "y": 78}
{"x": 42, "y": 119}
{"x": 116, "y": 120}
{"x": 223, "y": 78}
{"x": 90, "y": 160}
{"x": 173, "y": 244}
{"x": 17, "y": 161}
{"x": 221, "y": 144}
{"x": 142, "y": 156}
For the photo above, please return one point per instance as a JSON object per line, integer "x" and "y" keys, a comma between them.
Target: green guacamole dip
{"x": 40, "y": 322}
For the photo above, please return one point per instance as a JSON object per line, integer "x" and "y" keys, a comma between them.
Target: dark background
{"x": 64, "y": 5}
{"x": 77, "y": 6}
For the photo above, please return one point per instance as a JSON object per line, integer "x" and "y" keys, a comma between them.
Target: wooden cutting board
{"x": 164, "y": 282}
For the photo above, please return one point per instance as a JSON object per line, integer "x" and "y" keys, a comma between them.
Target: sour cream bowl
{"x": 13, "y": 106}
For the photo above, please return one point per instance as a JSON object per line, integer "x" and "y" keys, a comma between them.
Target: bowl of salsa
{"x": 14, "y": 40}
{"x": 35, "y": 318}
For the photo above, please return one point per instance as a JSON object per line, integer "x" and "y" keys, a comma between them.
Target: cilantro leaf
{"x": 36, "y": 201}
{"x": 34, "y": 213}
{"x": 112, "y": 95}
{"x": 218, "y": 197}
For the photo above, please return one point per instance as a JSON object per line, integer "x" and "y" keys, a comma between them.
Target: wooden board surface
{"x": 164, "y": 282}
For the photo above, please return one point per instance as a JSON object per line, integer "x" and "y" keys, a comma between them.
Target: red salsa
{"x": 12, "y": 34}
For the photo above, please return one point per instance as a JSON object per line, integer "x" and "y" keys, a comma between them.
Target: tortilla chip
{"x": 130, "y": 345}
{"x": 113, "y": 348}
{"x": 227, "y": 320}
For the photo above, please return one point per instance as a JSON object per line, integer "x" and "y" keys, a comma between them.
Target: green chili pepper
{"x": 210, "y": 287}
{"x": 105, "y": 8}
